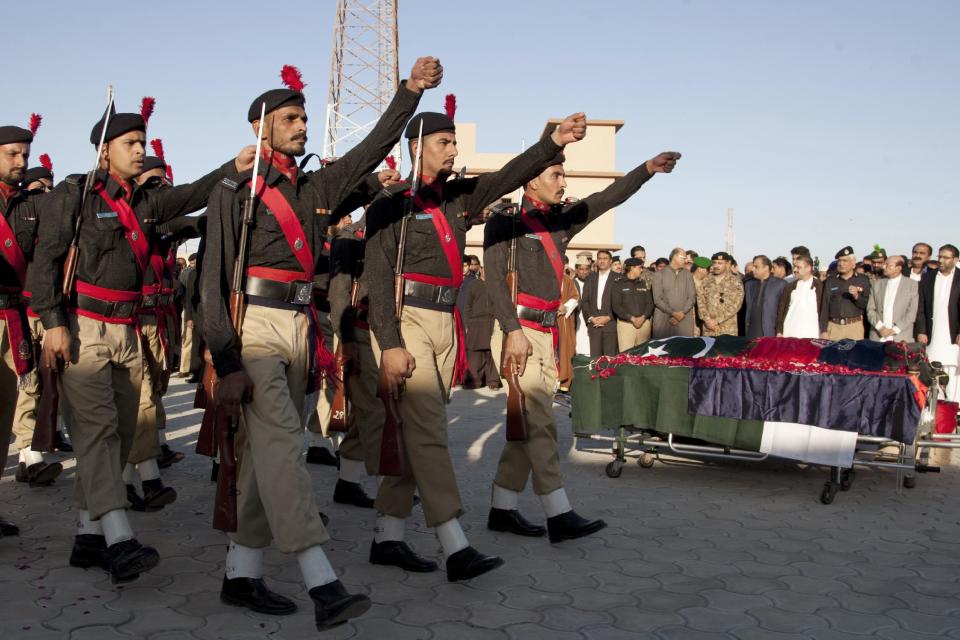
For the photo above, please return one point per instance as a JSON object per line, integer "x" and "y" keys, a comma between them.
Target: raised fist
{"x": 573, "y": 128}
{"x": 427, "y": 73}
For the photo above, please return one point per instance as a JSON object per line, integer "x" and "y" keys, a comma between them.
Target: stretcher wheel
{"x": 909, "y": 483}
{"x": 646, "y": 460}
{"x": 614, "y": 469}
{"x": 846, "y": 479}
{"x": 829, "y": 492}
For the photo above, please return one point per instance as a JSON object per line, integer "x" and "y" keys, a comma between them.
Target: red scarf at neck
{"x": 8, "y": 192}
{"x": 540, "y": 206}
{"x": 283, "y": 163}
{"x": 127, "y": 188}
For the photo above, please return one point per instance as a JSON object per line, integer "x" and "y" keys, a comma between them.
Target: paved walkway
{"x": 692, "y": 551}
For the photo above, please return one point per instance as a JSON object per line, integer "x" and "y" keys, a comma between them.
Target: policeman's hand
{"x": 516, "y": 351}
{"x": 233, "y": 390}
{"x": 638, "y": 321}
{"x": 427, "y": 73}
{"x": 56, "y": 347}
{"x": 922, "y": 338}
{"x": 663, "y": 163}
{"x": 396, "y": 365}
{"x": 244, "y": 161}
{"x": 388, "y": 177}
{"x": 573, "y": 128}
{"x": 854, "y": 291}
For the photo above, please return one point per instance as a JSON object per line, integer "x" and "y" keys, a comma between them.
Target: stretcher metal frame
{"x": 647, "y": 446}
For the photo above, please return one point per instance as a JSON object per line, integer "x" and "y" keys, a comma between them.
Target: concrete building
{"x": 590, "y": 167}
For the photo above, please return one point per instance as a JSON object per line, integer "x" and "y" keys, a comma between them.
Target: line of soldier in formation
{"x": 109, "y": 331}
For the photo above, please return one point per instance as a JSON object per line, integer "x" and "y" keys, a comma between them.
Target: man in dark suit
{"x": 596, "y": 308}
{"x": 761, "y": 299}
{"x": 938, "y": 317}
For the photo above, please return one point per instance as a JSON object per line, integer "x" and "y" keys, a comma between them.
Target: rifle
{"x": 225, "y": 507}
{"x": 340, "y": 409}
{"x": 516, "y": 401}
{"x": 204, "y": 399}
{"x": 392, "y": 454}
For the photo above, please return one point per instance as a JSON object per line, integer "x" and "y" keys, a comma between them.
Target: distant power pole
{"x": 730, "y": 236}
{"x": 364, "y": 72}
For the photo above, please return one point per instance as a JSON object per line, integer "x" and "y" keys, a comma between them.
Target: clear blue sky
{"x": 820, "y": 122}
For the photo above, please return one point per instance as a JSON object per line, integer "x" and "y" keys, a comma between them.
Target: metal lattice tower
{"x": 364, "y": 72}
{"x": 730, "y": 235}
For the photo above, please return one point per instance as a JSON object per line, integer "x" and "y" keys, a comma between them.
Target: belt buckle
{"x": 843, "y": 321}
{"x": 302, "y": 293}
{"x": 549, "y": 319}
{"x": 447, "y": 296}
{"x": 149, "y": 301}
{"x": 120, "y": 310}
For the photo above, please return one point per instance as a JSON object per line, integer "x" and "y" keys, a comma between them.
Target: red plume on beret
{"x": 292, "y": 78}
{"x": 46, "y": 162}
{"x": 391, "y": 162}
{"x": 451, "y": 105}
{"x": 35, "y": 120}
{"x": 146, "y": 108}
{"x": 157, "y": 145}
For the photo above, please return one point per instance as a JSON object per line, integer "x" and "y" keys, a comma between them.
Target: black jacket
{"x": 924, "y": 324}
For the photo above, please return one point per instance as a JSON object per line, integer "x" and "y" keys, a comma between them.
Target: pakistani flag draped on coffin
{"x": 739, "y": 392}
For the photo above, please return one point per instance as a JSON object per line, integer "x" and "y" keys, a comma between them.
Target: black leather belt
{"x": 846, "y": 320}
{"x": 430, "y": 293}
{"x": 106, "y": 308}
{"x": 298, "y": 292}
{"x": 547, "y": 319}
{"x": 10, "y": 300}
{"x": 149, "y": 301}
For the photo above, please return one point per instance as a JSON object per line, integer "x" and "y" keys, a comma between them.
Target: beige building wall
{"x": 590, "y": 167}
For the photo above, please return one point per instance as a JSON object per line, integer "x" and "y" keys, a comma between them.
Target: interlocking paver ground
{"x": 701, "y": 550}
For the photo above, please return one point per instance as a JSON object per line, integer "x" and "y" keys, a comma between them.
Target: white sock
{"x": 243, "y": 562}
{"x": 28, "y": 456}
{"x": 452, "y": 538}
{"x": 316, "y": 440}
{"x": 162, "y": 436}
{"x": 333, "y": 441}
{"x": 116, "y": 527}
{"x": 504, "y": 498}
{"x": 148, "y": 470}
{"x": 389, "y": 528}
{"x": 379, "y": 480}
{"x": 128, "y": 473}
{"x": 315, "y": 567}
{"x": 351, "y": 470}
{"x": 86, "y": 526}
{"x": 555, "y": 503}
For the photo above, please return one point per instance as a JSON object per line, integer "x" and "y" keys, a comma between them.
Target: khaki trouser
{"x": 102, "y": 390}
{"x": 366, "y": 409}
{"x": 539, "y": 454}
{"x": 275, "y": 496}
{"x": 430, "y": 337}
{"x": 8, "y": 392}
{"x": 851, "y": 331}
{"x": 151, "y": 416}
{"x": 186, "y": 351}
{"x": 25, "y": 416}
{"x": 628, "y": 336}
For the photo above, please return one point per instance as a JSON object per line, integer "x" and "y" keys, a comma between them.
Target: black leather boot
{"x": 60, "y": 443}
{"x": 511, "y": 521}
{"x": 351, "y": 493}
{"x": 126, "y": 560}
{"x": 397, "y": 553}
{"x": 39, "y": 474}
{"x": 7, "y": 528}
{"x": 156, "y": 496}
{"x": 333, "y": 605}
{"x": 168, "y": 456}
{"x": 321, "y": 455}
{"x": 569, "y": 526}
{"x": 470, "y": 563}
{"x": 89, "y": 550}
{"x": 253, "y": 594}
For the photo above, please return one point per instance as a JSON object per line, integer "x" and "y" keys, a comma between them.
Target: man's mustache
{"x": 299, "y": 137}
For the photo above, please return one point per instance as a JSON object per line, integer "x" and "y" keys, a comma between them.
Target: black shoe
{"x": 351, "y": 493}
{"x": 194, "y": 379}
{"x": 511, "y": 521}
{"x": 89, "y": 550}
{"x": 569, "y": 526}
{"x": 333, "y": 605}
{"x": 136, "y": 502}
{"x": 39, "y": 474}
{"x": 253, "y": 594}
{"x": 214, "y": 471}
{"x": 156, "y": 496}
{"x": 168, "y": 456}
{"x": 470, "y": 563}
{"x": 128, "y": 559}
{"x": 7, "y": 528}
{"x": 321, "y": 455}
{"x": 397, "y": 553}
{"x": 324, "y": 518}
{"x": 60, "y": 443}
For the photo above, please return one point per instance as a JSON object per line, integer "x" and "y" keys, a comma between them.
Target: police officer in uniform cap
{"x": 90, "y": 331}
{"x": 543, "y": 230}
{"x": 266, "y": 373}
{"x": 844, "y": 302}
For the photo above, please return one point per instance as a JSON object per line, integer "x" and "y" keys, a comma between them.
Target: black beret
{"x": 722, "y": 255}
{"x": 632, "y": 262}
{"x": 846, "y": 251}
{"x": 11, "y": 135}
{"x": 432, "y": 123}
{"x": 120, "y": 123}
{"x": 153, "y": 162}
{"x": 36, "y": 173}
{"x": 557, "y": 159}
{"x": 274, "y": 99}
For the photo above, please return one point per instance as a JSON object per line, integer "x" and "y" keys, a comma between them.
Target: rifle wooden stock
{"x": 516, "y": 402}
{"x": 225, "y": 507}
{"x": 392, "y": 455}
{"x": 339, "y": 416}
{"x": 207, "y": 438}
{"x": 45, "y": 432}
{"x": 70, "y": 269}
